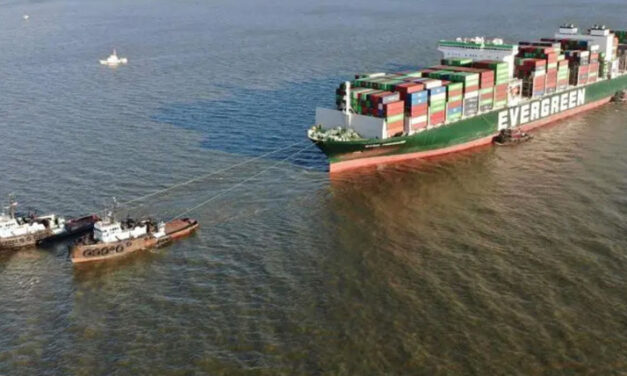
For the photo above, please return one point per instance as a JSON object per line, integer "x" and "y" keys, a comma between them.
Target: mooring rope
{"x": 189, "y": 210}
{"x": 182, "y": 184}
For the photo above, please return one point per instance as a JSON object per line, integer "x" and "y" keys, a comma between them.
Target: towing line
{"x": 189, "y": 210}
{"x": 182, "y": 184}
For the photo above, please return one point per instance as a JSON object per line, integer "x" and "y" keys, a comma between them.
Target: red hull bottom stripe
{"x": 373, "y": 161}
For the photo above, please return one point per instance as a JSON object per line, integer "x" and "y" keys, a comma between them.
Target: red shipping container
{"x": 396, "y": 128}
{"x": 439, "y": 119}
{"x": 537, "y": 49}
{"x": 487, "y": 96}
{"x": 534, "y": 63}
{"x": 486, "y": 75}
{"x": 454, "y": 104}
{"x": 376, "y": 98}
{"x": 551, "y": 58}
{"x": 394, "y": 108}
{"x": 455, "y": 94}
{"x": 418, "y": 110}
{"x": 470, "y": 89}
{"x": 408, "y": 88}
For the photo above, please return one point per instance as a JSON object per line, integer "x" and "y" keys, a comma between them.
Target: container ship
{"x": 480, "y": 88}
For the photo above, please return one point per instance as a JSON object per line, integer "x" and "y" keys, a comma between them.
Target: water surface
{"x": 505, "y": 261}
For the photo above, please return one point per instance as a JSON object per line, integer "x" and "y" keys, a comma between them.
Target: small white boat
{"x": 114, "y": 60}
{"x": 26, "y": 17}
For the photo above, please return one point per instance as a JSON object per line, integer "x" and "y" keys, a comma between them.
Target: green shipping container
{"x": 453, "y": 86}
{"x": 437, "y": 107}
{"x": 457, "y": 62}
{"x": 456, "y": 98}
{"x": 395, "y": 118}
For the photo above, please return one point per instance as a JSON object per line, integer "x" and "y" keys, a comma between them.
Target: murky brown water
{"x": 498, "y": 261}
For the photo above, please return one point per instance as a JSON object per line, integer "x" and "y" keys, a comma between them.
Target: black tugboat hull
{"x": 73, "y": 227}
{"x": 512, "y": 142}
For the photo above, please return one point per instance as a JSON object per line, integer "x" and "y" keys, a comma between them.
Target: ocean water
{"x": 496, "y": 261}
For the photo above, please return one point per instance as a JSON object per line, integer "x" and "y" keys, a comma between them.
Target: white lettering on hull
{"x": 530, "y": 112}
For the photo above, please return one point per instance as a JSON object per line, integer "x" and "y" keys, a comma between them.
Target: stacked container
{"x": 528, "y": 67}
{"x": 578, "y": 62}
{"x": 485, "y": 86}
{"x": 415, "y": 98}
{"x": 486, "y": 89}
{"x": 533, "y": 73}
{"x": 501, "y": 80}
{"x": 379, "y": 100}
{"x": 416, "y": 111}
{"x": 437, "y": 105}
{"x": 593, "y": 68}
{"x": 562, "y": 74}
{"x": 471, "y": 91}
{"x": 394, "y": 117}
{"x": 454, "y": 100}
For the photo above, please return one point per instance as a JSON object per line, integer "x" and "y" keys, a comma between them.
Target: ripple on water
{"x": 494, "y": 261}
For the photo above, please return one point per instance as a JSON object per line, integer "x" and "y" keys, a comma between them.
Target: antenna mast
{"x": 12, "y": 206}
{"x": 347, "y": 108}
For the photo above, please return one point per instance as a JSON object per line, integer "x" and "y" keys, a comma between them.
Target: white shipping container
{"x": 374, "y": 75}
{"x": 418, "y": 119}
{"x": 438, "y": 97}
{"x": 431, "y": 83}
{"x": 413, "y": 127}
{"x": 472, "y": 94}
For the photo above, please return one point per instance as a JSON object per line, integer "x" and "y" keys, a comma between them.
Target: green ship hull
{"x": 470, "y": 132}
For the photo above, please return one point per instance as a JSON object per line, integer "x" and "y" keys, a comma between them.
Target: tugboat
{"x": 620, "y": 97}
{"x": 507, "y": 137}
{"x": 113, "y": 60}
{"x": 111, "y": 238}
{"x": 27, "y": 231}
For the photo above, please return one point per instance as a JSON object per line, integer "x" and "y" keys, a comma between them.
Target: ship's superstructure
{"x": 481, "y": 87}
{"x": 480, "y": 48}
{"x": 24, "y": 231}
{"x": 598, "y": 39}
